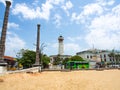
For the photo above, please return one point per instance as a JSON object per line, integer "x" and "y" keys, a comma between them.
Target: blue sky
{"x": 82, "y": 23}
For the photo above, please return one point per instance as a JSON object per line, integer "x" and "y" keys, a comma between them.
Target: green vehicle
{"x": 77, "y": 65}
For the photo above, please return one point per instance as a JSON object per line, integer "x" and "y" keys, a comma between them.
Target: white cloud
{"x": 103, "y": 40}
{"x": 33, "y": 13}
{"x": 67, "y": 6}
{"x": 73, "y": 39}
{"x": 116, "y": 10}
{"x": 105, "y": 2}
{"x": 23, "y": 9}
{"x": 107, "y": 23}
{"x": 54, "y": 45}
{"x": 13, "y": 43}
{"x": 88, "y": 10}
{"x": 104, "y": 31}
{"x": 45, "y": 10}
{"x": 91, "y": 10}
{"x": 12, "y": 25}
{"x": 51, "y": 49}
{"x": 56, "y": 2}
{"x": 57, "y": 19}
{"x": 71, "y": 48}
{"x": 35, "y": 3}
{"x": 111, "y": 2}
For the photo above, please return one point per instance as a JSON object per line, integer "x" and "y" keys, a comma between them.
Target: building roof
{"x": 9, "y": 58}
{"x": 60, "y": 55}
{"x": 93, "y": 51}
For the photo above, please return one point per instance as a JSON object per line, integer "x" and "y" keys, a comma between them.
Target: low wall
{"x": 33, "y": 69}
{"x": 3, "y": 70}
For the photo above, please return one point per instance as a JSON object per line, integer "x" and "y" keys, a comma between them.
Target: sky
{"x": 84, "y": 24}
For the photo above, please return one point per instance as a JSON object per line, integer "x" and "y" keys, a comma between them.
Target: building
{"x": 10, "y": 61}
{"x": 98, "y": 55}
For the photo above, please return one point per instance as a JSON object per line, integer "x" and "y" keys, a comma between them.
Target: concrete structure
{"x": 92, "y": 64}
{"x": 61, "y": 45}
{"x": 3, "y": 69}
{"x": 4, "y": 30}
{"x": 37, "y": 61}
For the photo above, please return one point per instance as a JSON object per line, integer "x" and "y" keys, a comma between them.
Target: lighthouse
{"x": 60, "y": 56}
{"x": 61, "y": 45}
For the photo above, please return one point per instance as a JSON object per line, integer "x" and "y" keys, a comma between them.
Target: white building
{"x": 97, "y": 55}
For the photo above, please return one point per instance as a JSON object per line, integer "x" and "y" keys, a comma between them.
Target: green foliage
{"x": 65, "y": 61}
{"x": 57, "y": 60}
{"x": 45, "y": 61}
{"x": 76, "y": 58}
{"x": 27, "y": 58}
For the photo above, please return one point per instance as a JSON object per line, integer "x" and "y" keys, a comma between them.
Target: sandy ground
{"x": 74, "y": 80}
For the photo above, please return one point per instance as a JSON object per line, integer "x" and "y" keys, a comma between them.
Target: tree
{"x": 27, "y": 58}
{"x": 76, "y": 58}
{"x": 65, "y": 61}
{"x": 45, "y": 61}
{"x": 57, "y": 60}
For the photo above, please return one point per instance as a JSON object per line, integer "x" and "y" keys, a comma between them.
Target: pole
{"x": 37, "y": 61}
{"x": 4, "y": 30}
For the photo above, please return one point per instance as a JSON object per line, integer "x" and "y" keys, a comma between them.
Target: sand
{"x": 56, "y": 80}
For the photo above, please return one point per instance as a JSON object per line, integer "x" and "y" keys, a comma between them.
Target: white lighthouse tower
{"x": 61, "y": 46}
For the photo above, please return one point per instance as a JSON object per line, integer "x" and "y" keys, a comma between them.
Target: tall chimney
{"x": 4, "y": 30}
{"x": 37, "y": 62}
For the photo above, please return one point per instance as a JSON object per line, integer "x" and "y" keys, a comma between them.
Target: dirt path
{"x": 74, "y": 80}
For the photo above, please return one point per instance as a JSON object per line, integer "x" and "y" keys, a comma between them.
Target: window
{"x": 110, "y": 59}
{"x": 100, "y": 56}
{"x": 105, "y": 60}
{"x": 104, "y": 55}
{"x": 87, "y": 56}
{"x": 91, "y": 57}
